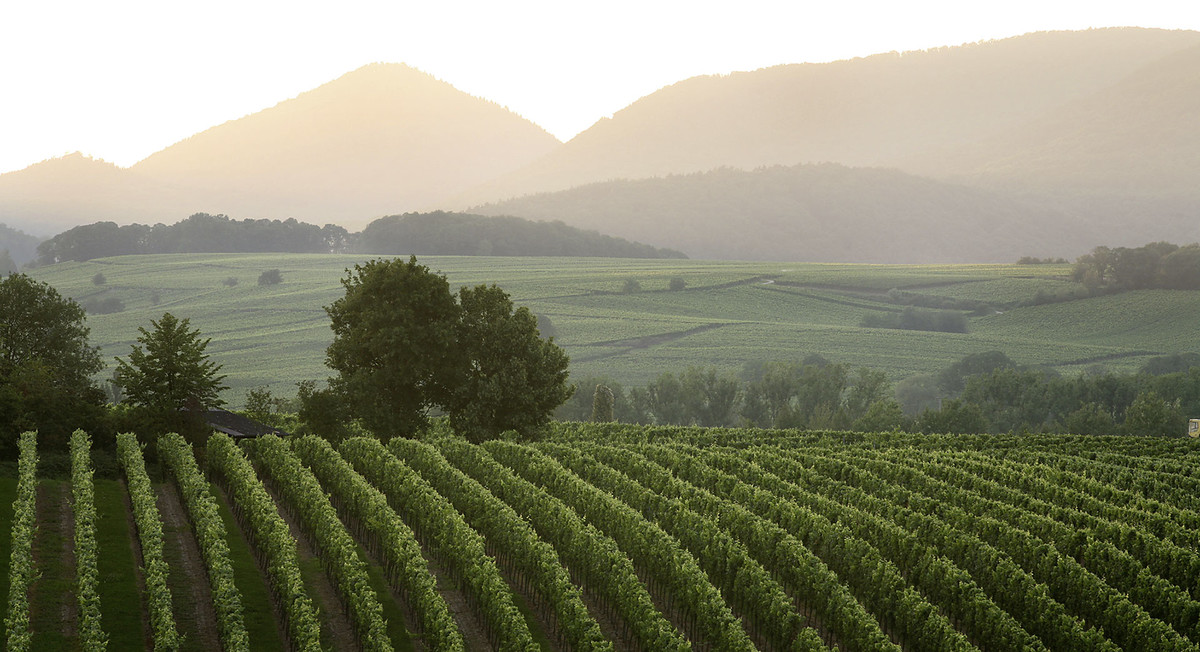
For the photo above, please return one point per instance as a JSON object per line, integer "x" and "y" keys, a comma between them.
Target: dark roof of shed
{"x": 238, "y": 426}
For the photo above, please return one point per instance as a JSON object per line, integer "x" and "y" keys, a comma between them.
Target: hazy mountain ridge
{"x": 882, "y": 110}
{"x": 379, "y": 138}
{"x": 382, "y": 138}
{"x": 1070, "y": 139}
{"x": 819, "y": 213}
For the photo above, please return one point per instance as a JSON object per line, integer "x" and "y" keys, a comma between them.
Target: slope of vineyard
{"x": 613, "y": 537}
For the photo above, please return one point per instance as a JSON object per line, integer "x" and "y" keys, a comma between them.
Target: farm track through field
{"x": 636, "y": 343}
{"x": 194, "y": 614}
{"x": 817, "y": 297}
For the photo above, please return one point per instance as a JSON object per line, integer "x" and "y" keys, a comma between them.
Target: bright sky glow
{"x": 121, "y": 79}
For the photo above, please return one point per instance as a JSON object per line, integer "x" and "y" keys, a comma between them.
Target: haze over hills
{"x": 817, "y": 213}
{"x": 381, "y": 138}
{"x": 378, "y": 140}
{"x": 881, "y": 110}
{"x": 1048, "y": 144}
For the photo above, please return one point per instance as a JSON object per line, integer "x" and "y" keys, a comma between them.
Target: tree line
{"x": 438, "y": 233}
{"x": 199, "y": 233}
{"x": 981, "y": 393}
{"x": 1155, "y": 265}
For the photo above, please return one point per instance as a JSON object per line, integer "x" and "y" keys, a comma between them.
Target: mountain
{"x": 1138, "y": 135}
{"x": 376, "y": 141}
{"x": 881, "y": 110}
{"x": 1067, "y": 139}
{"x": 379, "y": 140}
{"x": 54, "y": 195}
{"x": 820, "y": 213}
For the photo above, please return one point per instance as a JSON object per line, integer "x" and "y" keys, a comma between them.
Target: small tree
{"x": 631, "y": 286}
{"x": 99, "y": 279}
{"x": 676, "y": 284}
{"x": 602, "y": 404}
{"x": 1150, "y": 415}
{"x": 168, "y": 373}
{"x": 269, "y": 277}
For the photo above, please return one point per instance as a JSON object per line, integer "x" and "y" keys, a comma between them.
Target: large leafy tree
{"x": 508, "y": 378}
{"x": 404, "y": 345}
{"x": 393, "y": 343}
{"x": 46, "y": 364}
{"x": 168, "y": 369}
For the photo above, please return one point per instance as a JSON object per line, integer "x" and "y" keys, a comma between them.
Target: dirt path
{"x": 336, "y": 628}
{"x": 472, "y": 629}
{"x": 194, "y": 614}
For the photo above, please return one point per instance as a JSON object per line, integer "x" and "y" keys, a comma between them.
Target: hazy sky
{"x": 121, "y": 79}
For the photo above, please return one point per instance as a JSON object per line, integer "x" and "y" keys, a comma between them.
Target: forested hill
{"x": 462, "y": 234}
{"x": 819, "y": 213}
{"x": 429, "y": 233}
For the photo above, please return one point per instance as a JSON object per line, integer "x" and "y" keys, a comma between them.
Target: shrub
{"x": 270, "y": 277}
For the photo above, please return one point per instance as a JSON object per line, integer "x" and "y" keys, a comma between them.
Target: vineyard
{"x": 607, "y": 537}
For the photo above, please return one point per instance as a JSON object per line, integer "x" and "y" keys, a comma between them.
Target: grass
{"x": 120, "y": 599}
{"x": 256, "y": 600}
{"x": 55, "y": 587}
{"x": 728, "y": 314}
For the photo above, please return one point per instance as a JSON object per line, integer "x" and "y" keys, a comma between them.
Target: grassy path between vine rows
{"x": 262, "y": 627}
{"x": 123, "y": 610}
{"x": 53, "y": 610}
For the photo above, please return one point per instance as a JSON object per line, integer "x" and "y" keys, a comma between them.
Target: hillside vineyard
{"x": 606, "y": 537}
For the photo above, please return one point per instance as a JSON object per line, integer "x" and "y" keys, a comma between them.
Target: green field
{"x": 729, "y": 313}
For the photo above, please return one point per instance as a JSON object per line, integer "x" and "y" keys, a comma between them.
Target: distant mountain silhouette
{"x": 377, "y": 141}
{"x": 882, "y": 110}
{"x": 1048, "y": 143}
{"x": 1126, "y": 156}
{"x": 827, "y": 212}
{"x": 60, "y": 193}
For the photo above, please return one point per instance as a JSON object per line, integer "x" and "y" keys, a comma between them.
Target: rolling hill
{"x": 820, "y": 213}
{"x": 728, "y": 314}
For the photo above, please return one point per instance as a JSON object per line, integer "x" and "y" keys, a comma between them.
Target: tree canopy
{"x": 168, "y": 369}
{"x": 404, "y": 345}
{"x": 46, "y": 364}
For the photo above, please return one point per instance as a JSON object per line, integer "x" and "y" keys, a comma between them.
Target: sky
{"x": 121, "y": 79}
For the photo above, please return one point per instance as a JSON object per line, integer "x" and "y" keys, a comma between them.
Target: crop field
{"x": 728, "y": 313}
{"x": 609, "y": 537}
